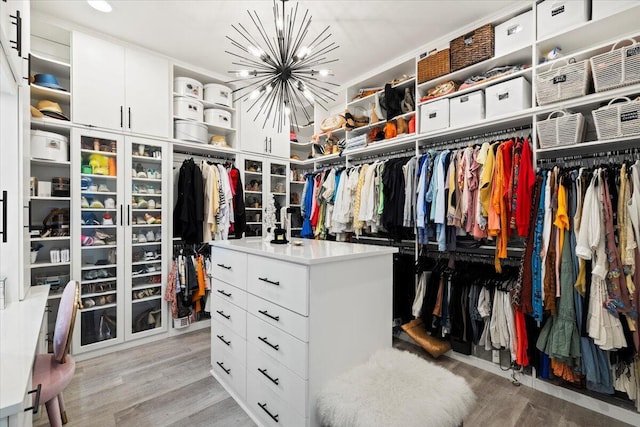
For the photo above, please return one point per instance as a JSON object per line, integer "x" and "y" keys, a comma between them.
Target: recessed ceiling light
{"x": 100, "y": 5}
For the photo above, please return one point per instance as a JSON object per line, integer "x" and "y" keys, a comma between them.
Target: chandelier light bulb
{"x": 287, "y": 110}
{"x": 303, "y": 52}
{"x": 255, "y": 51}
{"x": 243, "y": 73}
{"x": 254, "y": 94}
{"x": 269, "y": 88}
{"x": 324, "y": 72}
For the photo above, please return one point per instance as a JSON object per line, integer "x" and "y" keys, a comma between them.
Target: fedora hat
{"x": 51, "y": 109}
{"x": 35, "y": 112}
{"x": 47, "y": 80}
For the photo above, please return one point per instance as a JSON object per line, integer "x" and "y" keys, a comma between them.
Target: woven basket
{"x": 434, "y": 65}
{"x": 472, "y": 48}
{"x": 617, "y": 68}
{"x": 617, "y": 120}
{"x": 569, "y": 81}
{"x": 567, "y": 129}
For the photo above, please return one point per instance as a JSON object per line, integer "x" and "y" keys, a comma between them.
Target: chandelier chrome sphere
{"x": 283, "y": 73}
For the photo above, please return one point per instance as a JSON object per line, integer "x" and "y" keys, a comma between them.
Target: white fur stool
{"x": 395, "y": 388}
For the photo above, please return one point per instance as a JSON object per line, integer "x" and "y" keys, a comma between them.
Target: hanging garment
{"x": 188, "y": 214}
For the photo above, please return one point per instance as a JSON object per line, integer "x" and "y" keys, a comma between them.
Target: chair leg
{"x": 63, "y": 412}
{"x": 53, "y": 412}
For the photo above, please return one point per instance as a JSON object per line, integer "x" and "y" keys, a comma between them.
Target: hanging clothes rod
{"x": 460, "y": 142}
{"x": 206, "y": 155}
{"x": 609, "y": 155}
{"x": 408, "y": 153}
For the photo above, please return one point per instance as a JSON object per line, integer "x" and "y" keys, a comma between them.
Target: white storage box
{"x": 603, "y": 8}
{"x": 434, "y": 116}
{"x": 559, "y": 83}
{"x": 567, "y": 129}
{"x": 466, "y": 109}
{"x": 187, "y": 108}
{"x": 507, "y": 97}
{"x": 217, "y": 94}
{"x": 185, "y": 86}
{"x": 514, "y": 34}
{"x": 555, "y": 16}
{"x": 217, "y": 117}
{"x": 49, "y": 146}
{"x": 617, "y": 68}
{"x": 187, "y": 130}
{"x": 617, "y": 120}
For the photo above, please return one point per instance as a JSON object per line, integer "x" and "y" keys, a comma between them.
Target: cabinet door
{"x": 253, "y": 181}
{"x": 147, "y": 93}
{"x": 145, "y": 237}
{"x": 279, "y": 145}
{"x": 15, "y": 28}
{"x": 253, "y": 137}
{"x": 277, "y": 186}
{"x": 97, "y": 82}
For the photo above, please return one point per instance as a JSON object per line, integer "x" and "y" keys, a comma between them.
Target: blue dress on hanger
{"x": 307, "y": 230}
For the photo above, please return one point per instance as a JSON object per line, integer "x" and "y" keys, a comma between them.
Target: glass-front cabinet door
{"x": 145, "y": 236}
{"x": 253, "y": 184}
{"x": 98, "y": 217}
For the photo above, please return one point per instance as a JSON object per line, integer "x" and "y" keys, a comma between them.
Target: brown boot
{"x": 432, "y": 345}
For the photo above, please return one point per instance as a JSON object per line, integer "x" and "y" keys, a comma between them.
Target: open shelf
{"x": 212, "y": 128}
{"x": 591, "y": 146}
{"x": 56, "y": 95}
{"x": 50, "y": 163}
{"x": 202, "y": 148}
{"x": 50, "y": 125}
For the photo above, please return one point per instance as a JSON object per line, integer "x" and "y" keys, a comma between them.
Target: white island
{"x": 286, "y": 319}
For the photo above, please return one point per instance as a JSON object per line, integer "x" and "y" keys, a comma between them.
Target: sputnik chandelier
{"x": 283, "y": 74}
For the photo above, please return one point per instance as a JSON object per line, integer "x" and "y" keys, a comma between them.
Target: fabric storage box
{"x": 434, "y": 116}
{"x": 217, "y": 117}
{"x": 217, "y": 94}
{"x": 617, "y": 120}
{"x": 49, "y": 146}
{"x": 507, "y": 97}
{"x": 187, "y": 108}
{"x": 187, "y": 130}
{"x": 514, "y": 34}
{"x": 472, "y": 47}
{"x": 566, "y": 129}
{"x": 466, "y": 109}
{"x": 556, "y": 16}
{"x": 434, "y": 64}
{"x": 603, "y": 8}
{"x": 565, "y": 82}
{"x": 184, "y": 86}
{"x": 616, "y": 68}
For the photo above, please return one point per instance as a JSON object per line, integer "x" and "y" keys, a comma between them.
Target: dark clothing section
{"x": 188, "y": 214}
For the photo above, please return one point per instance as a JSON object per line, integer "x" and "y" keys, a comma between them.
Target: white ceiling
{"x": 369, "y": 32}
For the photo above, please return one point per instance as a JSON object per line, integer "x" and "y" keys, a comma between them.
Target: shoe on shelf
{"x": 142, "y": 238}
{"x": 141, "y": 174}
{"x": 110, "y": 298}
{"x": 92, "y": 188}
{"x": 140, "y": 220}
{"x": 158, "y": 236}
{"x": 142, "y": 270}
{"x": 158, "y": 204}
{"x": 149, "y": 236}
{"x": 103, "y": 273}
{"x": 142, "y": 189}
{"x": 87, "y": 240}
{"x": 89, "y": 219}
{"x": 151, "y": 204}
{"x": 134, "y": 238}
{"x": 107, "y": 219}
{"x": 109, "y": 203}
{"x": 90, "y": 275}
{"x": 158, "y": 220}
{"x": 149, "y": 256}
{"x": 102, "y": 235}
{"x": 142, "y": 203}
{"x": 134, "y": 203}
{"x": 84, "y": 203}
{"x": 150, "y": 219}
{"x": 150, "y": 268}
{"x": 150, "y": 189}
{"x": 88, "y": 303}
{"x": 102, "y": 188}
{"x": 98, "y": 242}
{"x": 85, "y": 183}
{"x": 157, "y": 255}
{"x": 96, "y": 204}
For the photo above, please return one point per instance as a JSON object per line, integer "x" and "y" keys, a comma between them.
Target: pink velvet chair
{"x": 55, "y": 371}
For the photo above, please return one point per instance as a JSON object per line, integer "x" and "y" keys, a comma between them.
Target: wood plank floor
{"x": 167, "y": 383}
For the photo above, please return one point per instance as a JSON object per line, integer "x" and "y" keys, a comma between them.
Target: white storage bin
{"x": 567, "y": 129}
{"x": 187, "y": 130}
{"x": 617, "y": 68}
{"x": 603, "y": 8}
{"x": 185, "y": 86}
{"x": 617, "y": 120}
{"x": 466, "y": 109}
{"x": 434, "y": 116}
{"x": 217, "y": 94}
{"x": 514, "y": 34}
{"x": 568, "y": 81}
{"x": 217, "y": 117}
{"x": 187, "y": 108}
{"x": 507, "y": 97}
{"x": 555, "y": 16}
{"x": 49, "y": 146}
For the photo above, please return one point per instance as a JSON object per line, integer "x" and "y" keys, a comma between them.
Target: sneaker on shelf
{"x": 85, "y": 183}
{"x": 149, "y": 236}
{"x": 87, "y": 240}
{"x": 134, "y": 238}
{"x": 109, "y": 203}
{"x": 96, "y": 204}
{"x": 156, "y": 255}
{"x": 149, "y": 256}
{"x": 102, "y": 235}
{"x": 152, "y": 204}
{"x": 142, "y": 203}
{"x": 92, "y": 188}
{"x": 158, "y": 236}
{"x": 140, "y": 220}
{"x": 90, "y": 275}
{"x": 151, "y": 190}
{"x": 158, "y": 220}
{"x": 107, "y": 219}
{"x": 89, "y": 219}
{"x": 158, "y": 204}
{"x": 134, "y": 203}
{"x": 84, "y": 203}
{"x": 142, "y": 189}
{"x": 98, "y": 242}
{"x": 142, "y": 238}
{"x": 150, "y": 219}
{"x": 103, "y": 188}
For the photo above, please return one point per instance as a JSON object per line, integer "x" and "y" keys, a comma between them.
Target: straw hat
{"x": 51, "y": 109}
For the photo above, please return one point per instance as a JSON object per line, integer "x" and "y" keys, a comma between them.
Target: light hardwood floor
{"x": 167, "y": 383}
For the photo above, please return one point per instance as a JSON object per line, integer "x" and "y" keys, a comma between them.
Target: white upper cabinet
{"x": 14, "y": 36}
{"x": 256, "y": 139}
{"x": 119, "y": 88}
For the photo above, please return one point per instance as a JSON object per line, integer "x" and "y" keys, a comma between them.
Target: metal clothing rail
{"x": 407, "y": 152}
{"x": 230, "y": 156}
{"x": 579, "y": 159}
{"x": 463, "y": 141}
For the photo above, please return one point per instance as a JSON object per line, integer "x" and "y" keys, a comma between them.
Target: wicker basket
{"x": 434, "y": 65}
{"x": 472, "y": 48}
{"x": 568, "y": 81}
{"x": 617, "y": 68}
{"x": 567, "y": 129}
{"x": 617, "y": 120}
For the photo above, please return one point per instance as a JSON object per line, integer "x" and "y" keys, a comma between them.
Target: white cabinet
{"x": 296, "y": 322}
{"x": 14, "y": 36}
{"x": 256, "y": 138}
{"x": 119, "y": 203}
{"x": 119, "y": 88}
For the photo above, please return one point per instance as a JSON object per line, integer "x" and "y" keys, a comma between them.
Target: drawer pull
{"x": 220, "y": 291}
{"x": 264, "y": 372}
{"x": 264, "y": 279}
{"x": 266, "y": 313}
{"x": 264, "y": 340}
{"x": 226, "y": 371}
{"x": 226, "y": 267}
{"x": 226, "y": 316}
{"x": 264, "y": 408}
{"x": 36, "y": 404}
{"x": 221, "y": 338}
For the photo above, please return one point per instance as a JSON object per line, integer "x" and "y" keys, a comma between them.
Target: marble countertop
{"x": 309, "y": 253}
{"x": 20, "y": 325}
